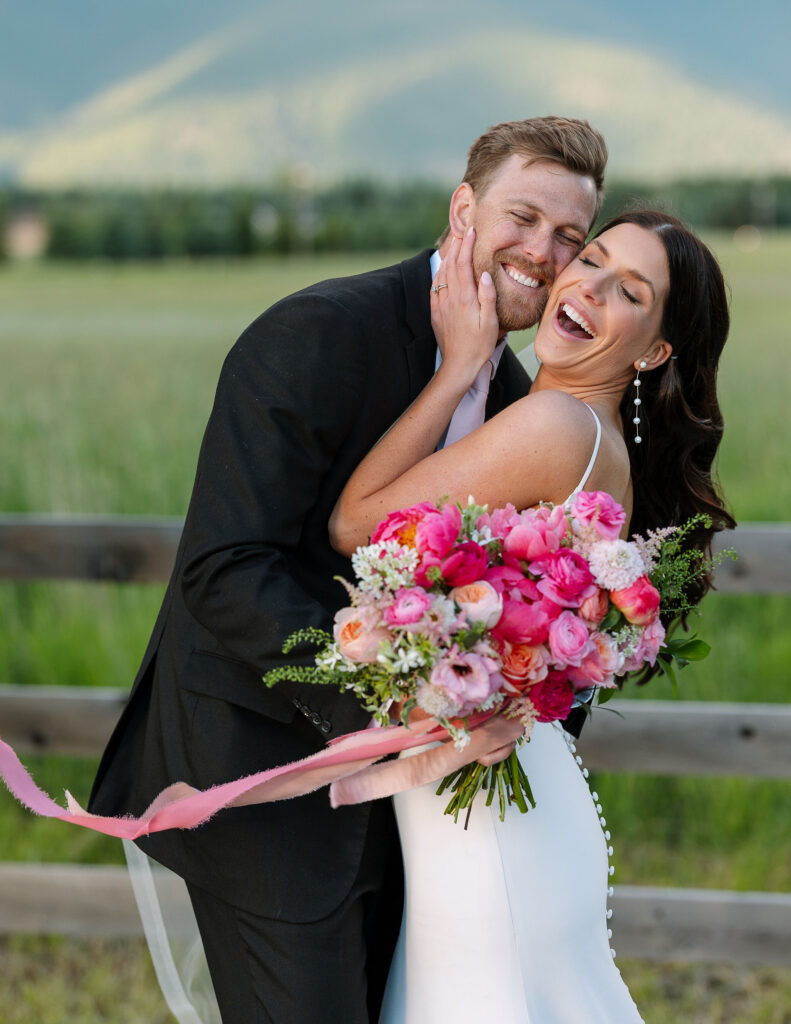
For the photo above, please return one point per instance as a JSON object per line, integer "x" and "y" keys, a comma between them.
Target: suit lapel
{"x": 420, "y": 345}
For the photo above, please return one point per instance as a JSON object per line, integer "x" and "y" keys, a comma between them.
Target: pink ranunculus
{"x": 651, "y": 641}
{"x": 408, "y": 607}
{"x": 479, "y": 601}
{"x": 566, "y": 578}
{"x": 552, "y": 697}
{"x": 468, "y": 679}
{"x": 569, "y": 640}
{"x": 510, "y": 581}
{"x": 600, "y": 666}
{"x": 464, "y": 563}
{"x": 522, "y": 622}
{"x": 402, "y": 524}
{"x": 594, "y": 608}
{"x": 601, "y": 511}
{"x": 357, "y": 634}
{"x": 639, "y": 603}
{"x": 437, "y": 531}
{"x": 500, "y": 522}
{"x": 537, "y": 535}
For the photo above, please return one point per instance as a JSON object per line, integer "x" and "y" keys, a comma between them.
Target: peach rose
{"x": 479, "y": 601}
{"x": 356, "y": 635}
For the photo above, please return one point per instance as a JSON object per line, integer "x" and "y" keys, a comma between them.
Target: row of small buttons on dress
{"x": 313, "y": 716}
{"x": 602, "y": 821}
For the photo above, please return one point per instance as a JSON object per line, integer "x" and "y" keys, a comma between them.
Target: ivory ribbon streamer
{"x": 347, "y": 764}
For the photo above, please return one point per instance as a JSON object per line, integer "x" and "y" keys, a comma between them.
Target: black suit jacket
{"x": 305, "y": 392}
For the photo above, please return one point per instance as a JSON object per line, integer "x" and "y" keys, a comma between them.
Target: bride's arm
{"x": 529, "y": 452}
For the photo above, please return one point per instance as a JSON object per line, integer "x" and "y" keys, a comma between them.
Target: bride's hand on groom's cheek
{"x": 463, "y": 313}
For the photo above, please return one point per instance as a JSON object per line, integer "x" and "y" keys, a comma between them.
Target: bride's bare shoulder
{"x": 552, "y": 411}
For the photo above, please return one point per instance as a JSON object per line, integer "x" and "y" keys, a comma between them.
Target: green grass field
{"x": 108, "y": 376}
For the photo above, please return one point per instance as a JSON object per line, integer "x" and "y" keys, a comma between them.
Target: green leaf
{"x": 605, "y": 694}
{"x": 666, "y": 665}
{"x": 610, "y": 620}
{"x": 693, "y": 650}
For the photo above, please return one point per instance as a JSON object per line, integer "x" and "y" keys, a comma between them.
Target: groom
{"x": 298, "y": 904}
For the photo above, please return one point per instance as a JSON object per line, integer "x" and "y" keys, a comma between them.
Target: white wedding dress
{"x": 507, "y": 921}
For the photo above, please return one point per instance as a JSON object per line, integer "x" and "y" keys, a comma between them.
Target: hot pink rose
{"x": 465, "y": 563}
{"x": 500, "y": 522}
{"x": 601, "y": 511}
{"x": 479, "y": 601}
{"x": 522, "y": 623}
{"x": 467, "y": 678}
{"x": 409, "y": 606}
{"x": 357, "y": 635}
{"x": 552, "y": 697}
{"x": 594, "y": 608}
{"x": 639, "y": 603}
{"x": 569, "y": 640}
{"x": 566, "y": 578}
{"x": 651, "y": 641}
{"x": 512, "y": 582}
{"x": 600, "y": 666}
{"x": 539, "y": 533}
{"x": 402, "y": 524}
{"x": 437, "y": 531}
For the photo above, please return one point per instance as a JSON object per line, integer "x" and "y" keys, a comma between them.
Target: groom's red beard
{"x": 517, "y": 307}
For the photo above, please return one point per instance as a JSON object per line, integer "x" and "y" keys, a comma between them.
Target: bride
{"x": 508, "y": 921}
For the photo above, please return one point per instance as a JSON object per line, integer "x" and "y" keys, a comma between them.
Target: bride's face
{"x": 604, "y": 312}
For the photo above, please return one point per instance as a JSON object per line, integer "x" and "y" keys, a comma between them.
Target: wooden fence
{"x": 656, "y": 737}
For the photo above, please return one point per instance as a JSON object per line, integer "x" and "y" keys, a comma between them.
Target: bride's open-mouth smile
{"x": 570, "y": 322}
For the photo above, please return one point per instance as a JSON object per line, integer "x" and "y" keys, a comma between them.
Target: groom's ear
{"x": 462, "y": 210}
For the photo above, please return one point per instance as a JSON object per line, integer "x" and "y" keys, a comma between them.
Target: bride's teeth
{"x": 530, "y": 282}
{"x": 578, "y": 318}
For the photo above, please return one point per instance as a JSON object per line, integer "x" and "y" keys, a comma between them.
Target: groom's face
{"x": 530, "y": 222}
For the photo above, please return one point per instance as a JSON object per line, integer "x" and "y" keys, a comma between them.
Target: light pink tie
{"x": 471, "y": 410}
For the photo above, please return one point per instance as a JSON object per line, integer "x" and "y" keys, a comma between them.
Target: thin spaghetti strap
{"x": 592, "y": 462}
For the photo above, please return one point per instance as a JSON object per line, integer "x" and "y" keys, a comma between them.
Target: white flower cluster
{"x": 331, "y": 658}
{"x": 615, "y": 564}
{"x": 434, "y": 701}
{"x": 628, "y": 639}
{"x": 402, "y": 659}
{"x": 650, "y": 545}
{"x": 385, "y": 565}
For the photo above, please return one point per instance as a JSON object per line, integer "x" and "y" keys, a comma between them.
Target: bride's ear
{"x": 659, "y": 353}
{"x": 462, "y": 210}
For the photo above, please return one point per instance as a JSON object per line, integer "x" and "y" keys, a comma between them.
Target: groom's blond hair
{"x": 568, "y": 141}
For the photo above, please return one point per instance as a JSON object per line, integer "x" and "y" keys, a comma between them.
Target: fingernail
{"x": 486, "y": 277}
{"x": 470, "y": 230}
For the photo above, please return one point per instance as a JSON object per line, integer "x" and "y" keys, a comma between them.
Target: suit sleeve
{"x": 285, "y": 402}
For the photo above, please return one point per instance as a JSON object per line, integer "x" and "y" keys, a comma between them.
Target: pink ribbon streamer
{"x": 347, "y": 764}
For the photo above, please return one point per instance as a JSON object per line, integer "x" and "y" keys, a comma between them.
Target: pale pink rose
{"x": 601, "y": 511}
{"x": 510, "y": 581}
{"x": 566, "y": 578}
{"x": 651, "y": 641}
{"x": 479, "y": 601}
{"x": 552, "y": 697}
{"x": 539, "y": 533}
{"x": 468, "y": 679}
{"x": 402, "y": 524}
{"x": 639, "y": 603}
{"x": 500, "y": 522}
{"x": 465, "y": 563}
{"x": 357, "y": 635}
{"x": 522, "y": 623}
{"x": 594, "y": 608}
{"x": 569, "y": 640}
{"x": 437, "y": 531}
{"x": 408, "y": 607}
{"x": 600, "y": 666}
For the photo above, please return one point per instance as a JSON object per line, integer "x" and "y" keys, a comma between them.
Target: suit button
{"x": 305, "y": 711}
{"x": 325, "y": 726}
{"x": 315, "y": 718}
{"x": 297, "y": 703}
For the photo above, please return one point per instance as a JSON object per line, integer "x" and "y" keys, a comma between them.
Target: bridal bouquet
{"x": 463, "y": 613}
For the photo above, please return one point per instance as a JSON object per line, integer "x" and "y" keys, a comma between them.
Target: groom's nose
{"x": 538, "y": 245}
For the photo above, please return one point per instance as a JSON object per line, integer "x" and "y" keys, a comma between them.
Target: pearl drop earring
{"x": 637, "y": 403}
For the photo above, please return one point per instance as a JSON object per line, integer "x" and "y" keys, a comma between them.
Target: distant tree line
{"x": 353, "y": 216}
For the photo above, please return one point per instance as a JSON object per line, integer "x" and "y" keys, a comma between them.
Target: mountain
{"x": 244, "y": 91}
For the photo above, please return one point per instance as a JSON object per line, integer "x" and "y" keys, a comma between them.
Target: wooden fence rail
{"x": 657, "y": 737}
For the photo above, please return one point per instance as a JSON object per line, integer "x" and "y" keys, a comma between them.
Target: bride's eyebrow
{"x": 632, "y": 273}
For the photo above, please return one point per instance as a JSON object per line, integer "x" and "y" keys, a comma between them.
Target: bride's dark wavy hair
{"x": 673, "y": 473}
